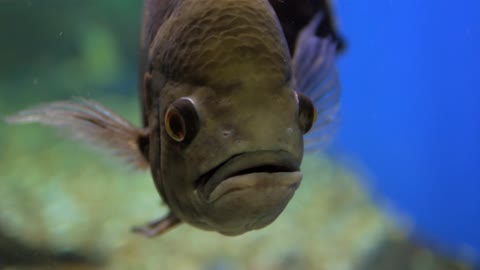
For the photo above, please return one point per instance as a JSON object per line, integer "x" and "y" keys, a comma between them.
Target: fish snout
{"x": 248, "y": 191}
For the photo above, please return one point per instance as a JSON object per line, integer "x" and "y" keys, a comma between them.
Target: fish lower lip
{"x": 246, "y": 163}
{"x": 268, "y": 182}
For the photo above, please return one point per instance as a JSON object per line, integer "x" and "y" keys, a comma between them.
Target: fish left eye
{"x": 181, "y": 120}
{"x": 307, "y": 113}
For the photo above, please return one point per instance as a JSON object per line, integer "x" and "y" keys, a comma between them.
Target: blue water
{"x": 411, "y": 110}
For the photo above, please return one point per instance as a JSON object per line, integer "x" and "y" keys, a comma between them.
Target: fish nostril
{"x": 226, "y": 133}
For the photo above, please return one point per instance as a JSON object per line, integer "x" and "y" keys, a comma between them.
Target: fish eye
{"x": 181, "y": 120}
{"x": 307, "y": 114}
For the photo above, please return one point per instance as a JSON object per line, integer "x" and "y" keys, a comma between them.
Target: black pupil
{"x": 176, "y": 125}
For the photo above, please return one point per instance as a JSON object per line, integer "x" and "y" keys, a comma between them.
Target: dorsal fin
{"x": 294, "y": 15}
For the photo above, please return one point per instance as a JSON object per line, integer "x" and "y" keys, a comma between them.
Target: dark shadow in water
{"x": 14, "y": 252}
{"x": 295, "y": 15}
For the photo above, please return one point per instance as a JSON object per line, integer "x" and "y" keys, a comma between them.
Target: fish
{"x": 228, "y": 110}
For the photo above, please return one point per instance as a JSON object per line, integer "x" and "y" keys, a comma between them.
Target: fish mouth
{"x": 249, "y": 170}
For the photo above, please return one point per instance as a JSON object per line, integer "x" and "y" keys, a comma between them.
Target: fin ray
{"x": 89, "y": 121}
{"x": 316, "y": 76}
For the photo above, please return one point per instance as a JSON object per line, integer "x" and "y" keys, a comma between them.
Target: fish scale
{"x": 214, "y": 39}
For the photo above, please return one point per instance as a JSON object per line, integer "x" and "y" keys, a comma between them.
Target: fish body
{"x": 225, "y": 108}
{"x": 238, "y": 68}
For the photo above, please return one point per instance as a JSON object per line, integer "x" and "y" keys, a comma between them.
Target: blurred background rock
{"x": 65, "y": 206}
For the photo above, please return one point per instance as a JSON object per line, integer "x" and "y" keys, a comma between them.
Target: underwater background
{"x": 398, "y": 189}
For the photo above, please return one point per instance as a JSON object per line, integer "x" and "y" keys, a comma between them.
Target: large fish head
{"x": 231, "y": 154}
{"x": 230, "y": 121}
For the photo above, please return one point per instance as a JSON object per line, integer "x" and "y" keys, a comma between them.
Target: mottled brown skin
{"x": 231, "y": 58}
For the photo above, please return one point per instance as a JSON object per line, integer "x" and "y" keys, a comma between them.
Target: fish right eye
{"x": 181, "y": 120}
{"x": 307, "y": 113}
{"x": 175, "y": 125}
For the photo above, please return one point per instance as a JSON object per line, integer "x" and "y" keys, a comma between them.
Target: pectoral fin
{"x": 90, "y": 121}
{"x": 158, "y": 226}
{"x": 316, "y": 76}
